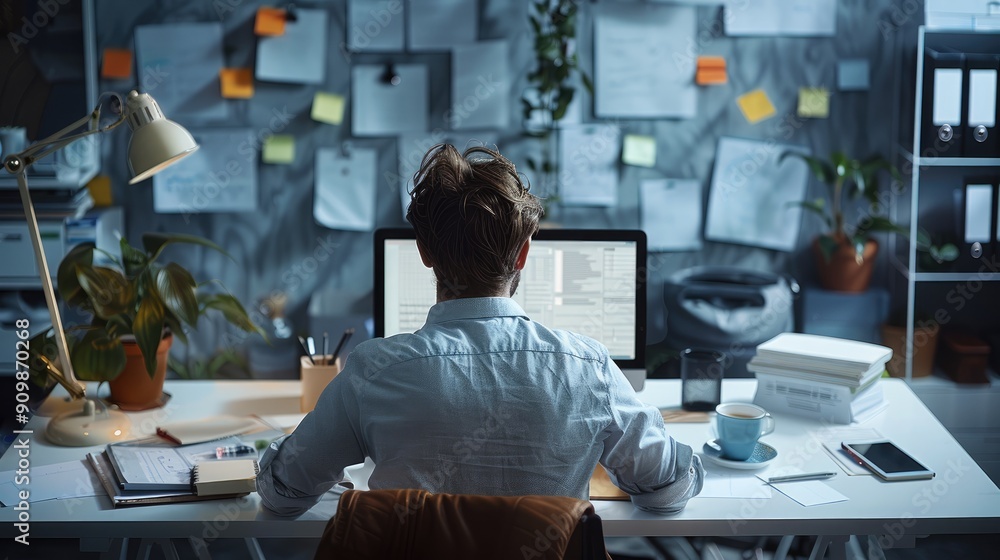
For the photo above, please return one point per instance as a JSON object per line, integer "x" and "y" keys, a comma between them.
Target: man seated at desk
{"x": 481, "y": 400}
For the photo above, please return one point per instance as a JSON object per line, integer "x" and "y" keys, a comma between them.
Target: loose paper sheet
{"x": 382, "y": 109}
{"x": 724, "y": 483}
{"x": 345, "y": 189}
{"x": 299, "y": 55}
{"x": 798, "y": 18}
{"x": 588, "y": 165}
{"x": 671, "y": 214}
{"x": 640, "y": 65}
{"x": 327, "y": 108}
{"x": 833, "y": 437}
{"x": 279, "y": 148}
{"x": 439, "y": 25}
{"x": 806, "y": 492}
{"x": 480, "y": 86}
{"x": 752, "y": 195}
{"x": 179, "y": 65}
{"x": 375, "y": 25}
{"x": 58, "y": 481}
{"x": 221, "y": 176}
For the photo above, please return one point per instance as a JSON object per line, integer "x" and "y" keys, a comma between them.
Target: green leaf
{"x": 42, "y": 344}
{"x": 841, "y": 164}
{"x": 879, "y": 223}
{"x": 98, "y": 357}
{"x": 148, "y": 330}
{"x": 133, "y": 260}
{"x": 818, "y": 207}
{"x": 109, "y": 292}
{"x": 176, "y": 288}
{"x": 946, "y": 253}
{"x": 564, "y": 99}
{"x": 69, "y": 287}
{"x": 154, "y": 243}
{"x": 587, "y": 83}
{"x": 233, "y": 311}
{"x": 174, "y": 324}
{"x": 820, "y": 169}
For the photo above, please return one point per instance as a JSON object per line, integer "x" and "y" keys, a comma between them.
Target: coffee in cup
{"x": 739, "y": 426}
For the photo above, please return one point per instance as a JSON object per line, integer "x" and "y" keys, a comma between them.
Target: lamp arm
{"x": 59, "y": 138}
{"x": 47, "y": 289}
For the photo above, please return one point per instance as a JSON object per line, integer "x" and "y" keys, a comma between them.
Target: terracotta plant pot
{"x": 925, "y": 341}
{"x": 842, "y": 272}
{"x": 133, "y": 389}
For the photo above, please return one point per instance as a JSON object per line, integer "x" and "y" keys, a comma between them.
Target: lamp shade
{"x": 156, "y": 142}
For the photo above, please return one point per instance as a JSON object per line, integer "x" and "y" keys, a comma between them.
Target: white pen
{"x": 803, "y": 476}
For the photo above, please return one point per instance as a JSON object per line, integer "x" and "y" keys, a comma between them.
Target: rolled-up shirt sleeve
{"x": 297, "y": 469}
{"x": 659, "y": 473}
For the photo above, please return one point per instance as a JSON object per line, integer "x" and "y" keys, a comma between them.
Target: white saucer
{"x": 762, "y": 455}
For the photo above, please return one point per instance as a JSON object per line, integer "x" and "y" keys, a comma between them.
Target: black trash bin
{"x": 728, "y": 309}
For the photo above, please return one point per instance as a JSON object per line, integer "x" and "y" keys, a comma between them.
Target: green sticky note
{"x": 814, "y": 103}
{"x": 639, "y": 150}
{"x": 279, "y": 148}
{"x": 328, "y": 108}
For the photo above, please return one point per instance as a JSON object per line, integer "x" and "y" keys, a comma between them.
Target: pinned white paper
{"x": 179, "y": 65}
{"x": 671, "y": 214}
{"x": 345, "y": 189}
{"x": 379, "y": 108}
{"x": 439, "y": 25}
{"x": 221, "y": 176}
{"x": 297, "y": 56}
{"x": 753, "y": 199}
{"x": 640, "y": 65}
{"x": 480, "y": 86}
{"x": 588, "y": 165}
{"x": 798, "y": 18}
{"x": 375, "y": 25}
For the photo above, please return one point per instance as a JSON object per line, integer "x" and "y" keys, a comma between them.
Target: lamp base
{"x": 88, "y": 427}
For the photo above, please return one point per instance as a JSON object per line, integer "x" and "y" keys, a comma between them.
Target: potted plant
{"x": 553, "y": 23}
{"x": 934, "y": 253}
{"x": 845, "y": 253}
{"x": 136, "y": 308}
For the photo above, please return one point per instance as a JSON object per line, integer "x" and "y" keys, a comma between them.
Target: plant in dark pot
{"x": 136, "y": 308}
{"x": 845, "y": 253}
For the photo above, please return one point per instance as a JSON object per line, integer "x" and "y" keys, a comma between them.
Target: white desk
{"x": 961, "y": 499}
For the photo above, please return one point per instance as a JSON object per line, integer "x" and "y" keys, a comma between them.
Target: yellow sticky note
{"x": 237, "y": 83}
{"x": 117, "y": 64}
{"x": 639, "y": 150}
{"x": 328, "y": 108}
{"x": 100, "y": 190}
{"x": 814, "y": 103}
{"x": 755, "y": 106}
{"x": 270, "y": 22}
{"x": 279, "y": 148}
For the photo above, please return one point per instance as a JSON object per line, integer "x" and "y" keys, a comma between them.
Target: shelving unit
{"x": 931, "y": 173}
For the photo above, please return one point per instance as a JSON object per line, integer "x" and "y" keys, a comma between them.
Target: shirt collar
{"x": 474, "y": 308}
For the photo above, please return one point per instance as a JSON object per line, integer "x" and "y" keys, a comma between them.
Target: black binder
{"x": 982, "y": 136}
{"x": 943, "y": 139}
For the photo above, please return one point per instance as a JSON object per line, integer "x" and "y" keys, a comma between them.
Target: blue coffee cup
{"x": 739, "y": 426}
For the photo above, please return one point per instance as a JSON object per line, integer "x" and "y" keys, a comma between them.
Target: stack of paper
{"x": 820, "y": 377}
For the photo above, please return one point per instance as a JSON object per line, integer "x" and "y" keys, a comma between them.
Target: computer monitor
{"x": 586, "y": 281}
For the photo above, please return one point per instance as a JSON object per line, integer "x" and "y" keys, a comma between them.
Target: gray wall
{"x": 281, "y": 248}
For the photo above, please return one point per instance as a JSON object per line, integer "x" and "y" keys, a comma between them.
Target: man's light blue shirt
{"x": 481, "y": 400}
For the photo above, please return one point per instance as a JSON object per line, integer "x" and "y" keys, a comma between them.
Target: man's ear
{"x": 425, "y": 256}
{"x": 522, "y": 257}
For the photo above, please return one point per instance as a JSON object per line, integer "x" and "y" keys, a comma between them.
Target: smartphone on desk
{"x": 883, "y": 458}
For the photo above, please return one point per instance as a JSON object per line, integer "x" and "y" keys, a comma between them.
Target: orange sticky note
{"x": 100, "y": 190}
{"x": 237, "y": 83}
{"x": 711, "y": 71}
{"x": 117, "y": 64}
{"x": 756, "y": 106}
{"x": 270, "y": 22}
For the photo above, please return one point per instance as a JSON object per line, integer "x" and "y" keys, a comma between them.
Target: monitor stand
{"x": 636, "y": 377}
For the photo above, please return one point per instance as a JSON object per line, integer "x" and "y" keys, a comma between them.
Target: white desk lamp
{"x": 156, "y": 143}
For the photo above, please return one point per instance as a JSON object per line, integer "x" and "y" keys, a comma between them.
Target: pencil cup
{"x": 701, "y": 379}
{"x": 315, "y": 377}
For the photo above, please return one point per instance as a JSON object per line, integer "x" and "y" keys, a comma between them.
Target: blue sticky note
{"x": 852, "y": 75}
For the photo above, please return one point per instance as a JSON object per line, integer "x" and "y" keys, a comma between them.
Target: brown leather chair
{"x": 416, "y": 524}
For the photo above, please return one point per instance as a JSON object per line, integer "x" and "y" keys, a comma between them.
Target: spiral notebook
{"x": 234, "y": 476}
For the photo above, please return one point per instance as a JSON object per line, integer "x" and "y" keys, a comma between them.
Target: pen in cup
{"x": 305, "y": 347}
{"x": 234, "y": 451}
{"x": 340, "y": 345}
{"x": 802, "y": 476}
